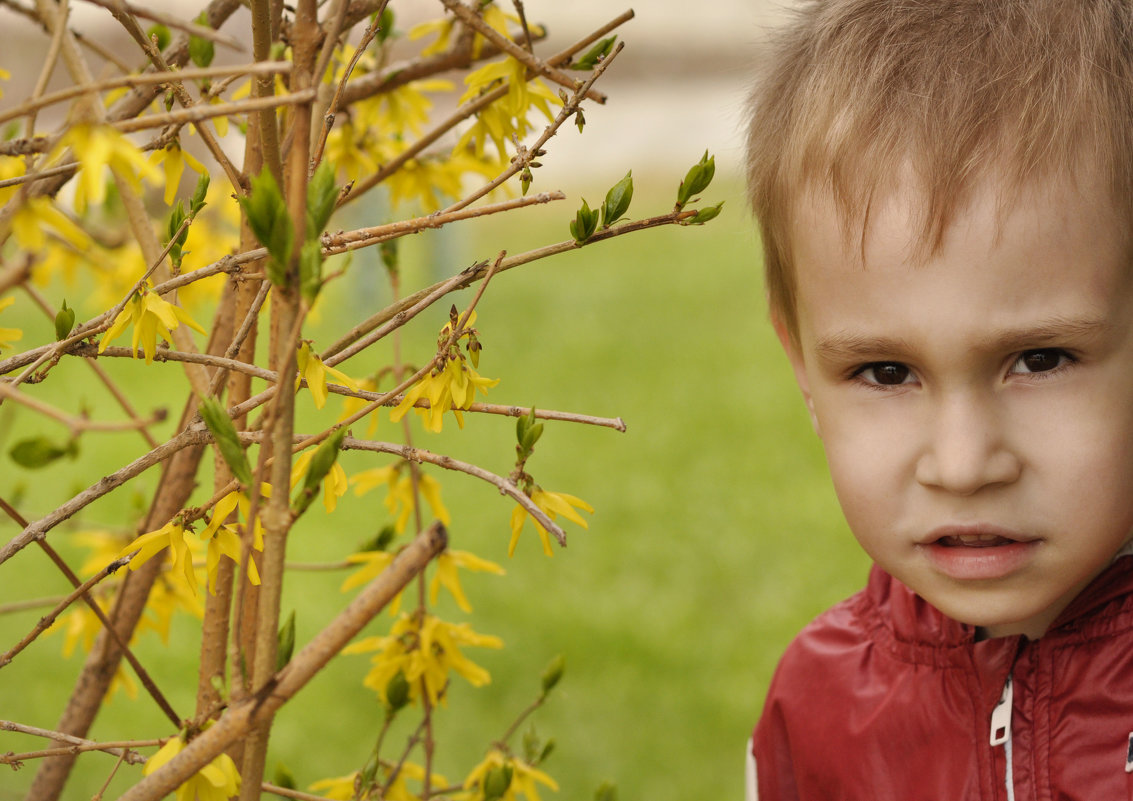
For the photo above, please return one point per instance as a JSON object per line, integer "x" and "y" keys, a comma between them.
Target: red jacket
{"x": 883, "y": 698}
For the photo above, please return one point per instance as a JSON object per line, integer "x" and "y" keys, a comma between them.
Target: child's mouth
{"x": 979, "y": 554}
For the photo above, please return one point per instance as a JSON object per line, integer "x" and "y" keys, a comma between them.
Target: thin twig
{"x": 116, "y": 748}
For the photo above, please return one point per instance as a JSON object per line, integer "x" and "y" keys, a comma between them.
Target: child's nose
{"x": 965, "y": 447}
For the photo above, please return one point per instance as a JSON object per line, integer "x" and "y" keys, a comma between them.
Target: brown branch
{"x": 476, "y": 22}
{"x": 168, "y": 20}
{"x": 242, "y": 717}
{"x": 121, "y": 748}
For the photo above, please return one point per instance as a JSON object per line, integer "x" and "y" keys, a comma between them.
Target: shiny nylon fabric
{"x": 882, "y": 698}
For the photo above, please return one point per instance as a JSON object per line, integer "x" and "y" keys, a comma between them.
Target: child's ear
{"x": 796, "y": 360}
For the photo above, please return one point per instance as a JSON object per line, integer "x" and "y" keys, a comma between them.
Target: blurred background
{"x": 716, "y": 535}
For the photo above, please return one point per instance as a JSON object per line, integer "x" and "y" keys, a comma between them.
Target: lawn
{"x": 716, "y": 535}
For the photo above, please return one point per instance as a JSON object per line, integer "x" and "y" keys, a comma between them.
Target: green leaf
{"x": 227, "y": 441}
{"x": 397, "y": 692}
{"x": 553, "y": 673}
{"x": 590, "y": 59}
{"x": 286, "y": 642}
{"x": 497, "y": 782}
{"x": 696, "y": 180}
{"x": 267, "y": 217}
{"x": 201, "y": 50}
{"x": 162, "y": 34}
{"x": 617, "y": 200}
{"x": 172, "y": 238}
{"x": 310, "y": 270}
{"x": 197, "y": 201}
{"x": 64, "y": 321}
{"x": 321, "y": 463}
{"x": 36, "y": 452}
{"x": 322, "y": 196}
{"x": 704, "y": 215}
{"x": 284, "y": 777}
{"x": 385, "y": 25}
{"x": 607, "y": 791}
{"x": 585, "y": 223}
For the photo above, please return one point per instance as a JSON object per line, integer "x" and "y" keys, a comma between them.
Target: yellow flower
{"x": 217, "y": 781}
{"x": 172, "y": 159}
{"x": 506, "y": 117}
{"x": 225, "y": 540}
{"x": 453, "y": 388}
{"x": 352, "y": 405}
{"x": 553, "y": 504}
{"x": 4, "y": 75}
{"x": 334, "y": 485}
{"x": 9, "y": 335}
{"x": 342, "y": 787}
{"x": 523, "y": 779}
{"x": 35, "y": 218}
{"x": 312, "y": 369}
{"x": 447, "y": 564}
{"x": 400, "y": 499}
{"x": 99, "y": 146}
{"x": 492, "y": 14}
{"x": 348, "y": 149}
{"x": 151, "y": 316}
{"x": 172, "y": 536}
{"x": 10, "y": 167}
{"x": 425, "y": 649}
{"x": 167, "y": 597}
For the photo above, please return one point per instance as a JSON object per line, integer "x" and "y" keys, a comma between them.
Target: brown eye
{"x": 886, "y": 373}
{"x": 1040, "y": 361}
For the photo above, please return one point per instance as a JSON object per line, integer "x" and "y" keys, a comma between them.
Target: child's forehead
{"x": 903, "y": 215}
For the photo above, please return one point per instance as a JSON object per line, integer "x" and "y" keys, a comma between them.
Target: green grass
{"x": 716, "y": 535}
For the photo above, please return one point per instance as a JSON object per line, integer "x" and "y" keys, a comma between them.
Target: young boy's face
{"x": 976, "y": 407}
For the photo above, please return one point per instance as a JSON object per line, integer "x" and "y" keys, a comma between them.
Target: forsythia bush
{"x": 192, "y": 205}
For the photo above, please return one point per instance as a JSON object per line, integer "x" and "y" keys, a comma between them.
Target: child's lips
{"x": 977, "y": 552}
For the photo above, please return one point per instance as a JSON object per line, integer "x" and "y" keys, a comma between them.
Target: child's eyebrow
{"x": 1060, "y": 331}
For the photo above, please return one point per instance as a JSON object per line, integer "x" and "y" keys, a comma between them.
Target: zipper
{"x": 1001, "y": 732}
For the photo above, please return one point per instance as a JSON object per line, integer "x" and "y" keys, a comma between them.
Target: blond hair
{"x": 858, "y": 92}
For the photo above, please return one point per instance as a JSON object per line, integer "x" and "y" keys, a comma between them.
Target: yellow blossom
{"x": 34, "y": 219}
{"x": 9, "y": 335}
{"x": 10, "y": 167}
{"x": 334, "y": 485}
{"x": 523, "y": 779}
{"x": 425, "y": 649}
{"x": 453, "y": 387}
{"x": 552, "y": 504}
{"x": 312, "y": 369}
{"x": 168, "y": 596}
{"x": 96, "y": 147}
{"x": 224, "y": 540}
{"x": 348, "y": 149}
{"x": 352, "y": 405}
{"x": 172, "y": 159}
{"x": 507, "y": 117}
{"x": 217, "y": 781}
{"x": 172, "y": 536}
{"x": 492, "y": 14}
{"x": 151, "y": 316}
{"x": 4, "y": 75}
{"x": 342, "y": 787}
{"x": 400, "y": 500}
{"x": 447, "y": 564}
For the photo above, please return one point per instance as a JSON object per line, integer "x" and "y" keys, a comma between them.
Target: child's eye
{"x": 1042, "y": 360}
{"x": 886, "y": 374}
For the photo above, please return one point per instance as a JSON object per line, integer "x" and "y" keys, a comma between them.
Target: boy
{"x": 945, "y": 194}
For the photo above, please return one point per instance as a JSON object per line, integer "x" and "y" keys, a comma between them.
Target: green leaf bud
{"x": 321, "y": 463}
{"x": 267, "y": 216}
{"x": 161, "y": 35}
{"x": 607, "y": 791}
{"x": 553, "y": 673}
{"x": 286, "y": 642}
{"x": 310, "y": 270}
{"x": 64, "y": 321}
{"x": 591, "y": 58}
{"x": 704, "y": 215}
{"x": 397, "y": 692}
{"x": 585, "y": 223}
{"x": 548, "y": 749}
{"x": 36, "y": 452}
{"x": 284, "y": 777}
{"x": 201, "y": 50}
{"x": 227, "y": 441}
{"x": 617, "y": 200}
{"x": 697, "y": 179}
{"x": 197, "y": 201}
{"x": 385, "y": 25}
{"x": 497, "y": 782}
{"x": 322, "y": 196}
